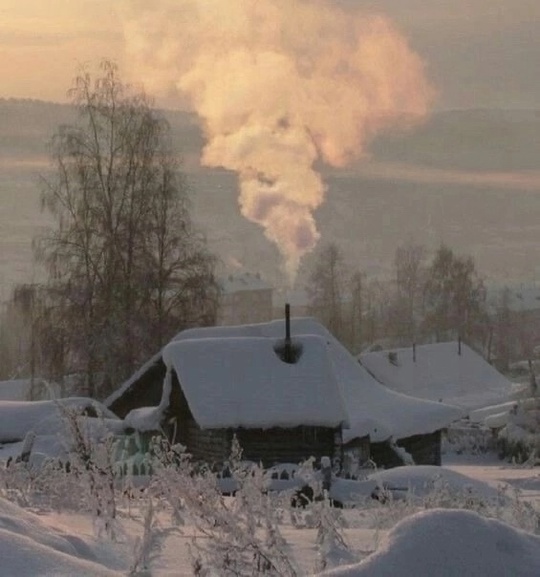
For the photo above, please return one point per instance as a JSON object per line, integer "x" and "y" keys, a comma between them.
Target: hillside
{"x": 467, "y": 178}
{"x": 502, "y": 140}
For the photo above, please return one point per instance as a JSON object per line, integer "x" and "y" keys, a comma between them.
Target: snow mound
{"x": 144, "y": 419}
{"x": 414, "y": 481}
{"x": 422, "y": 480}
{"x": 29, "y": 548}
{"x": 450, "y": 543}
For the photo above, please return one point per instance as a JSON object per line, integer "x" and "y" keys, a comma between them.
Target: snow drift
{"x": 28, "y": 548}
{"x": 450, "y": 543}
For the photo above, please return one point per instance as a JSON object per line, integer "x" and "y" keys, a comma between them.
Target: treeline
{"x": 429, "y": 298}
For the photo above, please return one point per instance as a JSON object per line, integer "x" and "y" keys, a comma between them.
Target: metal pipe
{"x": 288, "y": 348}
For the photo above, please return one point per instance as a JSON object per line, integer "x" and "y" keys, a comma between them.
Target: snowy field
{"x": 475, "y": 516}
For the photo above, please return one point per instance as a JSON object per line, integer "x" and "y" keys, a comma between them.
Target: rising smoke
{"x": 279, "y": 85}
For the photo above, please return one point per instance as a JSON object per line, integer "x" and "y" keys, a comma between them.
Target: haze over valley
{"x": 469, "y": 178}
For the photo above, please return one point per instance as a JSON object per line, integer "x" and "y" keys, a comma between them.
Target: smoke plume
{"x": 279, "y": 85}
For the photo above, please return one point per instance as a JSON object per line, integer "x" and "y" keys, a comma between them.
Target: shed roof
{"x": 439, "y": 372}
{"x": 243, "y": 382}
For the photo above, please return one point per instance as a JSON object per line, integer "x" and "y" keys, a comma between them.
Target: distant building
{"x": 298, "y": 300}
{"x": 246, "y": 299}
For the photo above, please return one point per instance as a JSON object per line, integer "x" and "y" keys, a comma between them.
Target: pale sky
{"x": 479, "y": 53}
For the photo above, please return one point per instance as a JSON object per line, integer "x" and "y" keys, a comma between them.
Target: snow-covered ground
{"x": 474, "y": 516}
{"x": 451, "y": 543}
{"x": 447, "y": 535}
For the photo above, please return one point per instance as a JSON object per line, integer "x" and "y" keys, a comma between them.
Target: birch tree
{"x": 126, "y": 268}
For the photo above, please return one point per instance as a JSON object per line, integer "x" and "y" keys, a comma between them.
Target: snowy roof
{"x": 371, "y": 408}
{"x": 440, "y": 374}
{"x": 242, "y": 382}
{"x": 144, "y": 418}
{"x": 22, "y": 389}
{"x": 17, "y": 418}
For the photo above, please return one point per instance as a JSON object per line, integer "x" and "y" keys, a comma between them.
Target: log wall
{"x": 280, "y": 445}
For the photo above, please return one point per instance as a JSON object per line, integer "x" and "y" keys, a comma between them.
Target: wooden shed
{"x": 280, "y": 410}
{"x": 212, "y": 383}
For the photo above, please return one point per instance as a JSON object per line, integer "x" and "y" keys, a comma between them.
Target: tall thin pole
{"x": 288, "y": 348}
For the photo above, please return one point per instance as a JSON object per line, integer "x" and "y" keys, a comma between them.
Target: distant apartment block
{"x": 297, "y": 299}
{"x": 246, "y": 299}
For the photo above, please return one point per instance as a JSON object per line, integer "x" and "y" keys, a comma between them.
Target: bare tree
{"x": 379, "y": 313}
{"x": 14, "y": 339}
{"x": 357, "y": 310}
{"x": 409, "y": 266}
{"x": 326, "y": 289}
{"x": 126, "y": 267}
{"x": 455, "y": 297}
{"x": 504, "y": 330}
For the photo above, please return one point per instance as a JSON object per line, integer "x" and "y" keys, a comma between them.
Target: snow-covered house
{"x": 449, "y": 372}
{"x": 211, "y": 383}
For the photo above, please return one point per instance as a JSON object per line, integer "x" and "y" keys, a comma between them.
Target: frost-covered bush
{"x": 333, "y": 549}
{"x": 18, "y": 483}
{"x": 519, "y": 440}
{"x": 75, "y": 470}
{"x": 148, "y": 546}
{"x": 237, "y": 535}
{"x": 241, "y": 534}
{"x": 92, "y": 462}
